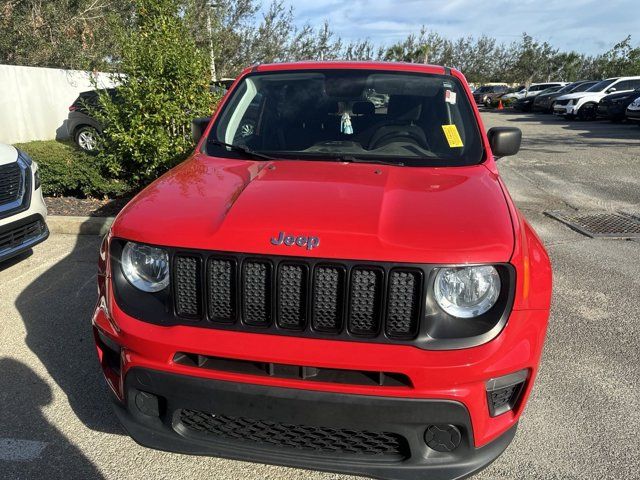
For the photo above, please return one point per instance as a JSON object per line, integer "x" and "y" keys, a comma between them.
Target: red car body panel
{"x": 453, "y": 215}
{"x": 359, "y": 211}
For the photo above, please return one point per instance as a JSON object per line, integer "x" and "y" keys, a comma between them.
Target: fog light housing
{"x": 148, "y": 404}
{"x": 442, "y": 438}
{"x": 503, "y": 393}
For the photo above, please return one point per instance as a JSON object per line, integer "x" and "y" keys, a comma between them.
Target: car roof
{"x": 363, "y": 65}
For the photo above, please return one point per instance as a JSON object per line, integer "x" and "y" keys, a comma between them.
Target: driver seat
{"x": 402, "y": 113}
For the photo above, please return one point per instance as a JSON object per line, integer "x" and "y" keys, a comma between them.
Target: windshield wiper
{"x": 353, "y": 159}
{"x": 239, "y": 148}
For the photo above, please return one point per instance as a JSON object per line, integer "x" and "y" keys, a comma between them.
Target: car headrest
{"x": 329, "y": 107}
{"x": 405, "y": 107}
{"x": 363, "y": 108}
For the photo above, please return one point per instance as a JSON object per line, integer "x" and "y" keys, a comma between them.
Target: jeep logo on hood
{"x": 298, "y": 240}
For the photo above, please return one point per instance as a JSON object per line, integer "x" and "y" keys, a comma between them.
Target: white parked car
{"x": 633, "y": 111}
{"x": 23, "y": 212}
{"x": 533, "y": 90}
{"x": 584, "y": 105}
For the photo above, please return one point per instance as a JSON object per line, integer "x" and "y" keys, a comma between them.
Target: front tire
{"x": 587, "y": 112}
{"x": 86, "y": 138}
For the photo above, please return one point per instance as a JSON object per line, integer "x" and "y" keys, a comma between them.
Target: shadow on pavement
{"x": 29, "y": 444}
{"x": 56, "y": 309}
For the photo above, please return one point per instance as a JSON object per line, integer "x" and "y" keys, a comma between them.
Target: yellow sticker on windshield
{"x": 453, "y": 137}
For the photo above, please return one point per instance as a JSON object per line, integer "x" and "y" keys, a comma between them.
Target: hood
{"x": 8, "y": 154}
{"x": 583, "y": 95}
{"x": 356, "y": 211}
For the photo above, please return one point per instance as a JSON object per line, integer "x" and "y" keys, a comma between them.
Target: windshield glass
{"x": 583, "y": 87}
{"x": 350, "y": 115}
{"x": 549, "y": 90}
{"x": 600, "y": 86}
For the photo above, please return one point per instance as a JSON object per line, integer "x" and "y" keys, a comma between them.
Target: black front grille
{"x": 321, "y": 440}
{"x": 256, "y": 292}
{"x": 10, "y": 183}
{"x": 562, "y": 102}
{"x": 15, "y": 236}
{"x": 292, "y": 295}
{"x": 221, "y": 275}
{"x": 402, "y": 319}
{"x": 364, "y": 308}
{"x": 307, "y": 297}
{"x": 328, "y": 293}
{"x": 187, "y": 292}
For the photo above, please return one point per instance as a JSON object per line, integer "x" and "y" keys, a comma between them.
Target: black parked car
{"x": 614, "y": 105}
{"x": 526, "y": 104}
{"x": 544, "y": 102}
{"x": 82, "y": 127}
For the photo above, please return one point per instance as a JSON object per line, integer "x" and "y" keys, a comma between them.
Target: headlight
{"x": 146, "y": 267}
{"x": 467, "y": 292}
{"x": 36, "y": 175}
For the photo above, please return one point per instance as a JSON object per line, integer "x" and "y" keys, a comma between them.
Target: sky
{"x": 587, "y": 26}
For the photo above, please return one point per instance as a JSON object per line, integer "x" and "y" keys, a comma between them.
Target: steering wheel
{"x": 398, "y": 136}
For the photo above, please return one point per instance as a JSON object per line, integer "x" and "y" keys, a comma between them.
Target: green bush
{"x": 163, "y": 83}
{"x": 66, "y": 171}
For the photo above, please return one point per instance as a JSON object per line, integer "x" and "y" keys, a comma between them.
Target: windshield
{"x": 583, "y": 87}
{"x": 567, "y": 88}
{"x": 600, "y": 86}
{"x": 350, "y": 115}
{"x": 549, "y": 90}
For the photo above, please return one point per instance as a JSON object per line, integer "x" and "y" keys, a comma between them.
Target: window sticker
{"x": 450, "y": 97}
{"x": 453, "y": 136}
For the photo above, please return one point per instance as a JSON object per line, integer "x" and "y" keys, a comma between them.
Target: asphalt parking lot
{"x": 581, "y": 422}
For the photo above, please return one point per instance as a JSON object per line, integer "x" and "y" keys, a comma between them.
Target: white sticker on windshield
{"x": 450, "y": 97}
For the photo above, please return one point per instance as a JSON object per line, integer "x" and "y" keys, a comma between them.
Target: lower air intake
{"x": 305, "y": 438}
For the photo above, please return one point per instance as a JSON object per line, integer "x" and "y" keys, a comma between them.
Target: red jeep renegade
{"x": 336, "y": 279}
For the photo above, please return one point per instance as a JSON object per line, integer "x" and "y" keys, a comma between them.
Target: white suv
{"x": 584, "y": 104}
{"x": 22, "y": 210}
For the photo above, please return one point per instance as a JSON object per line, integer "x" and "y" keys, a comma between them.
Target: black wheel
{"x": 86, "y": 138}
{"x": 587, "y": 112}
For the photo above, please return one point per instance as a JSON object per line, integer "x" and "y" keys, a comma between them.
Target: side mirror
{"x": 611, "y": 90}
{"x": 504, "y": 141}
{"x": 198, "y": 126}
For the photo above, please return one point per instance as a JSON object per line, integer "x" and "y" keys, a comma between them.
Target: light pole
{"x": 212, "y": 54}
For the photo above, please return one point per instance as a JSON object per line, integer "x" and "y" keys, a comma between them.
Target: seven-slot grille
{"x": 298, "y": 296}
{"x": 10, "y": 182}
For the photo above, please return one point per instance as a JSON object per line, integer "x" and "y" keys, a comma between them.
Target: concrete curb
{"x": 71, "y": 225}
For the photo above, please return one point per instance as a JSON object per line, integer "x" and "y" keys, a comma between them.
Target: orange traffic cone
{"x": 500, "y": 106}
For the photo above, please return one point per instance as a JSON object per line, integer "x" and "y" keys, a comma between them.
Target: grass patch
{"x": 67, "y": 171}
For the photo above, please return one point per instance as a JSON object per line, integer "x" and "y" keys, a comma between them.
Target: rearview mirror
{"x": 504, "y": 141}
{"x": 198, "y": 126}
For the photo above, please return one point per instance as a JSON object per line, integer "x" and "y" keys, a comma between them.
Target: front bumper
{"x": 446, "y": 387}
{"x": 307, "y": 429}
{"x": 563, "y": 110}
{"x": 21, "y": 235}
{"x": 633, "y": 115}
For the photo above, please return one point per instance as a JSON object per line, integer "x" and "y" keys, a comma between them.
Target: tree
{"x": 164, "y": 84}
{"x": 76, "y": 34}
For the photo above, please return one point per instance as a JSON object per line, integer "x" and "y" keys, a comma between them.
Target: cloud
{"x": 587, "y": 26}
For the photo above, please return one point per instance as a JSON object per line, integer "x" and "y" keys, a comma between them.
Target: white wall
{"x": 34, "y": 102}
